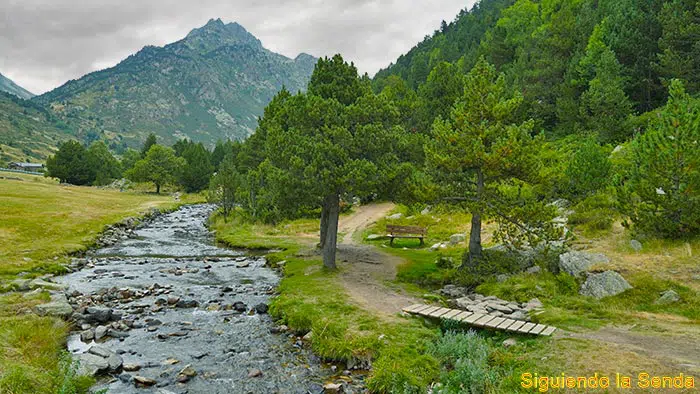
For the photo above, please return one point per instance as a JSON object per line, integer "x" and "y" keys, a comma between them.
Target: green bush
{"x": 595, "y": 213}
{"x": 464, "y": 358}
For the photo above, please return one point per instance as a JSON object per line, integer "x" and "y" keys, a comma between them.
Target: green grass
{"x": 41, "y": 223}
{"x": 41, "y": 220}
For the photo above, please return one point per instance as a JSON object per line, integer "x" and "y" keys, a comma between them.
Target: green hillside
{"x": 211, "y": 85}
{"x": 28, "y": 132}
{"x": 7, "y": 85}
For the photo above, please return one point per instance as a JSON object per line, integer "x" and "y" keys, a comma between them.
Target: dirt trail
{"x": 366, "y": 269}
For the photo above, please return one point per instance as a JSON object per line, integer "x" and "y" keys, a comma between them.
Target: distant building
{"x": 31, "y": 167}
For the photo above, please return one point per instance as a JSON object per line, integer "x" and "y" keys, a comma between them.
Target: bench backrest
{"x": 406, "y": 230}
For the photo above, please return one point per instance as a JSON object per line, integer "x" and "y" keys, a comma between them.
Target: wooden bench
{"x": 406, "y": 232}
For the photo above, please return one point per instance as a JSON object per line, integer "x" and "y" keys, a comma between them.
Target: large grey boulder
{"x": 604, "y": 284}
{"x": 577, "y": 263}
{"x": 42, "y": 284}
{"x": 91, "y": 364}
{"x": 58, "y": 307}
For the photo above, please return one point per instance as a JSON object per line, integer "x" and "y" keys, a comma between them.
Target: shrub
{"x": 464, "y": 358}
{"x": 595, "y": 213}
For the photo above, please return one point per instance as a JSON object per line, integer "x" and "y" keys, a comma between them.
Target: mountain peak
{"x": 7, "y": 85}
{"x": 216, "y": 34}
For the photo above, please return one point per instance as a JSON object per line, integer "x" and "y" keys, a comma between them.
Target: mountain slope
{"x": 211, "y": 85}
{"x": 28, "y": 132}
{"x": 582, "y": 66}
{"x": 7, "y": 85}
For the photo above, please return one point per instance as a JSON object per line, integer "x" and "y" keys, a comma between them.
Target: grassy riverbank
{"x": 41, "y": 223}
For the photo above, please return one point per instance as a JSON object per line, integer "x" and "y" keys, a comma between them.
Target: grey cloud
{"x": 44, "y": 43}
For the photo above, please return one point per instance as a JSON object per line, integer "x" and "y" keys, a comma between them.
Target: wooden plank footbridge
{"x": 480, "y": 320}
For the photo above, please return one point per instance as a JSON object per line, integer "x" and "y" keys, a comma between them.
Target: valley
{"x": 512, "y": 205}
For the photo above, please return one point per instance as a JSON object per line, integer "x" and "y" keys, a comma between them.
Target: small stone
{"x": 171, "y": 361}
{"x": 100, "y": 332}
{"x": 536, "y": 269}
{"x": 308, "y": 336}
{"x": 373, "y": 237}
{"x": 510, "y": 342}
{"x": 243, "y": 264}
{"x": 668, "y": 297}
{"x": 332, "y": 388}
{"x": 519, "y": 315}
{"x": 261, "y": 308}
{"x": 255, "y": 373}
{"x": 131, "y": 367}
{"x": 457, "y": 238}
{"x": 240, "y": 306}
{"x": 636, "y": 245}
{"x": 395, "y": 216}
{"x": 142, "y": 381}
{"x": 87, "y": 336}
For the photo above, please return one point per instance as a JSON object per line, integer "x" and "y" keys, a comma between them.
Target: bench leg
{"x": 421, "y": 242}
{"x": 391, "y": 242}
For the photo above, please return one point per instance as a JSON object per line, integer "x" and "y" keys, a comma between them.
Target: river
{"x": 178, "y": 300}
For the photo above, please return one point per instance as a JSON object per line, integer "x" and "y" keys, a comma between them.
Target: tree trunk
{"x": 325, "y": 211}
{"x": 331, "y": 233}
{"x": 475, "y": 249}
{"x": 157, "y": 188}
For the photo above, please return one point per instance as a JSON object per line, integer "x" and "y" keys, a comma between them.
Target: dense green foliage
{"x": 160, "y": 166}
{"x": 194, "y": 175}
{"x": 71, "y": 164}
{"x": 583, "y": 65}
{"x": 664, "y": 182}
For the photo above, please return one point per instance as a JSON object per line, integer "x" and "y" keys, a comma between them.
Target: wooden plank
{"x": 482, "y": 322}
{"x": 451, "y": 314}
{"x": 516, "y": 326}
{"x": 548, "y": 331}
{"x": 495, "y": 322}
{"x": 421, "y": 308}
{"x": 413, "y": 308}
{"x": 462, "y": 315}
{"x": 428, "y": 311}
{"x": 538, "y": 329}
{"x": 439, "y": 312}
{"x": 472, "y": 318}
{"x": 505, "y": 323}
{"x": 526, "y": 328}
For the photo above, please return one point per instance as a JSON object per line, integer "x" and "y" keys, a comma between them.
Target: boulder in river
{"x": 261, "y": 308}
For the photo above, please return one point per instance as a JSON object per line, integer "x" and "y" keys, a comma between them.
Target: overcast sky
{"x": 44, "y": 43}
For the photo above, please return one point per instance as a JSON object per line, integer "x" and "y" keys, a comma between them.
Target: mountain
{"x": 211, "y": 85}
{"x": 28, "y": 132}
{"x": 6, "y": 85}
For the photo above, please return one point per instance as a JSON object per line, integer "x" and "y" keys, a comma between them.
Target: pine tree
{"x": 665, "y": 176}
{"x": 479, "y": 149}
{"x": 194, "y": 176}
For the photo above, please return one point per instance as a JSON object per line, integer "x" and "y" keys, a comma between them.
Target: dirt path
{"x": 366, "y": 270}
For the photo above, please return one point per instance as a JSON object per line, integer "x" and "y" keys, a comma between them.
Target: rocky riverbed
{"x": 167, "y": 311}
